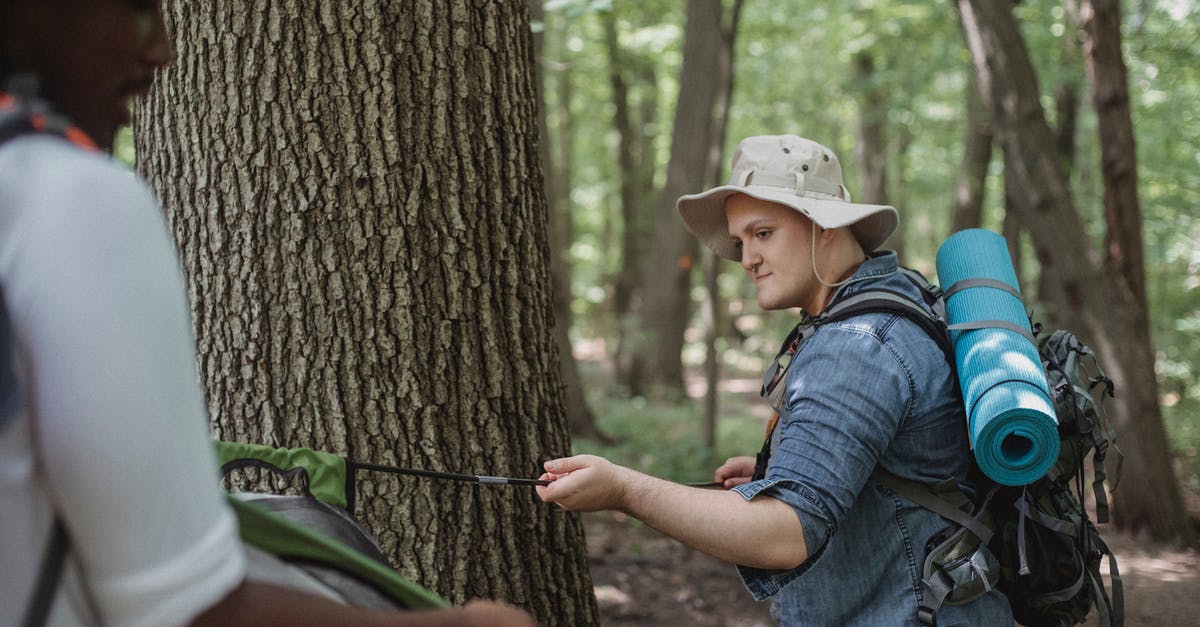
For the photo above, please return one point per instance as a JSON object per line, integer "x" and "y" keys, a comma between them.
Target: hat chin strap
{"x": 813, "y": 250}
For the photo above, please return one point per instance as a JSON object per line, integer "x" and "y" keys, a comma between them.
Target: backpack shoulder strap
{"x": 49, "y": 574}
{"x": 932, "y": 321}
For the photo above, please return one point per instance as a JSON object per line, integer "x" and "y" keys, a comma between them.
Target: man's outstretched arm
{"x": 761, "y": 532}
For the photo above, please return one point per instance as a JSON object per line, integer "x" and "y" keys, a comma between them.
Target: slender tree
{"x": 632, "y": 194}
{"x": 356, "y": 192}
{"x": 556, "y": 170}
{"x": 712, "y": 267}
{"x": 1094, "y": 296}
{"x": 871, "y": 151}
{"x": 977, "y": 155}
{"x": 666, "y": 276}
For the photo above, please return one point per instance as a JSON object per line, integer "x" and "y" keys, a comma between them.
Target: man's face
{"x": 776, "y": 245}
{"x": 92, "y": 56}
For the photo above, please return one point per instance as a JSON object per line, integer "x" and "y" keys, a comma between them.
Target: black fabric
{"x": 49, "y": 574}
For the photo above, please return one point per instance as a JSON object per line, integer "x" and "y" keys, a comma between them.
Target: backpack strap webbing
{"x": 50, "y": 572}
{"x": 887, "y": 301}
{"x": 945, "y": 503}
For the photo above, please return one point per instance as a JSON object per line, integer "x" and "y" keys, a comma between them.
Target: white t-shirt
{"x": 109, "y": 431}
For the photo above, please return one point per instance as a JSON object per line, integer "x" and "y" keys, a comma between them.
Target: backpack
{"x": 1034, "y": 542}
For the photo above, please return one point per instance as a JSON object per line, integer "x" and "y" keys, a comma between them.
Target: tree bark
{"x": 872, "y": 149}
{"x": 356, "y": 193}
{"x": 666, "y": 275}
{"x": 1118, "y": 152}
{"x": 557, "y": 177}
{"x": 712, "y": 265}
{"x": 1095, "y": 298}
{"x": 635, "y": 174}
{"x": 977, "y": 156}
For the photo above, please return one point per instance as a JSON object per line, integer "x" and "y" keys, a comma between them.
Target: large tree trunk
{"x": 356, "y": 193}
{"x": 1123, "y": 241}
{"x": 556, "y": 171}
{"x": 666, "y": 275}
{"x": 1095, "y": 298}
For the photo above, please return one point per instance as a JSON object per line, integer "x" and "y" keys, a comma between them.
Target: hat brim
{"x": 704, "y": 216}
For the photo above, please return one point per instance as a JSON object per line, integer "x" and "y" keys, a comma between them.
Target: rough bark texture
{"x": 666, "y": 275}
{"x": 1095, "y": 299}
{"x": 356, "y": 193}
{"x": 556, "y": 170}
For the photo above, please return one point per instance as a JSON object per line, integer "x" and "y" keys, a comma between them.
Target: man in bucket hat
{"x": 806, "y": 525}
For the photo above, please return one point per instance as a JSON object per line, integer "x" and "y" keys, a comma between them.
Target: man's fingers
{"x": 565, "y": 465}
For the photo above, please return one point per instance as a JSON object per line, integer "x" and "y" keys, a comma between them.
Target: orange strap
{"x": 43, "y": 123}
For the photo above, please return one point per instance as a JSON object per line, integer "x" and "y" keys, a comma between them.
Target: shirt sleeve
{"x": 99, "y": 305}
{"x": 846, "y": 396}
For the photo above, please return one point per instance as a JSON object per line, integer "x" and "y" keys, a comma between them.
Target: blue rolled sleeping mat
{"x": 1010, "y": 414}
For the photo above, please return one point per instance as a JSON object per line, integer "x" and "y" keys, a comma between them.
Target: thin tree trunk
{"x": 666, "y": 275}
{"x": 712, "y": 266}
{"x": 1066, "y": 95}
{"x": 1095, "y": 300}
{"x": 1118, "y": 152}
{"x": 628, "y": 177}
{"x": 356, "y": 193}
{"x": 871, "y": 149}
{"x": 899, "y": 194}
{"x": 977, "y": 156}
{"x": 557, "y": 176}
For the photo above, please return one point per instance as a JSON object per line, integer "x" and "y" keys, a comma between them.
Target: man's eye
{"x": 762, "y": 233}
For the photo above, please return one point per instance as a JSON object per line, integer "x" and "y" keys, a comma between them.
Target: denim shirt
{"x": 871, "y": 390}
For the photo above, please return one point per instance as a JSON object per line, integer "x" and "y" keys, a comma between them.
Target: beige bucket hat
{"x": 791, "y": 171}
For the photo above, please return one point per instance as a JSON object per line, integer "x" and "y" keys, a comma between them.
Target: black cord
{"x": 433, "y": 474}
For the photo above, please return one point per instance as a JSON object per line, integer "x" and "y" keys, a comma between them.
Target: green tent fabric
{"x": 280, "y": 536}
{"x": 330, "y": 481}
{"x": 328, "y": 477}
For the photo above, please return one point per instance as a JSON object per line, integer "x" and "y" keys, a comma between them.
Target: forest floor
{"x": 643, "y": 578}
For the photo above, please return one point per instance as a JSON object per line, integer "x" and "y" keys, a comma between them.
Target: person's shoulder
{"x": 51, "y": 160}
{"x": 51, "y": 173}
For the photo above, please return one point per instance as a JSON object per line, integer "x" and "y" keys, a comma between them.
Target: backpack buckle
{"x": 927, "y": 616}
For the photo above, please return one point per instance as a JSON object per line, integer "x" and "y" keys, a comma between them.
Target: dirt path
{"x": 642, "y": 578}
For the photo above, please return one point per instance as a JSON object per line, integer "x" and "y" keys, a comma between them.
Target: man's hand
{"x": 584, "y": 483}
{"x": 735, "y": 471}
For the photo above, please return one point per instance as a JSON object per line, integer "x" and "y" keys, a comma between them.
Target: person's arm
{"x": 253, "y": 604}
{"x": 761, "y": 532}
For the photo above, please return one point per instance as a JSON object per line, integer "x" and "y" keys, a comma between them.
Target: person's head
{"x": 90, "y": 57}
{"x": 787, "y": 217}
